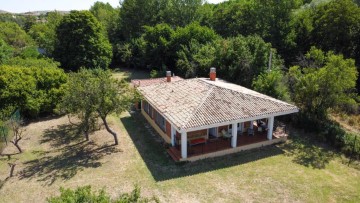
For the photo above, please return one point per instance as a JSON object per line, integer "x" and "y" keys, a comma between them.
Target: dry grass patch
{"x": 56, "y": 156}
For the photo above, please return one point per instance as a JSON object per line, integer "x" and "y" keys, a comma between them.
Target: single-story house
{"x": 208, "y": 117}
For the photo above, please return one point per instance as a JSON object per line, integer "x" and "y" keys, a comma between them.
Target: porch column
{"x": 270, "y": 127}
{"x": 242, "y": 126}
{"x": 234, "y": 135}
{"x": 251, "y": 124}
{"x": 184, "y": 145}
{"x": 173, "y": 134}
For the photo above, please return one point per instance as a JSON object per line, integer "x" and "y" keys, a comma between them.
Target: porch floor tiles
{"x": 217, "y": 145}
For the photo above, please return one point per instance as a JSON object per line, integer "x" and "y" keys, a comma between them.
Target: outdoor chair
{"x": 225, "y": 134}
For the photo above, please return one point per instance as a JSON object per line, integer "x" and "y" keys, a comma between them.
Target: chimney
{"x": 212, "y": 74}
{"x": 168, "y": 76}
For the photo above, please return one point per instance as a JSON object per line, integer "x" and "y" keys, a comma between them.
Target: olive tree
{"x": 92, "y": 94}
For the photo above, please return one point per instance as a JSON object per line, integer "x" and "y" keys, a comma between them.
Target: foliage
{"x": 327, "y": 81}
{"x": 194, "y": 61}
{"x": 268, "y": 19}
{"x": 45, "y": 33}
{"x": 272, "y": 83}
{"x": 14, "y": 36}
{"x": 35, "y": 90}
{"x": 158, "y": 39}
{"x": 33, "y": 62}
{"x": 319, "y": 25}
{"x": 132, "y": 53}
{"x": 108, "y": 17}
{"x": 92, "y": 94}
{"x": 182, "y": 12}
{"x": 241, "y": 59}
{"x": 81, "y": 42}
{"x": 135, "y": 14}
{"x": 85, "y": 194}
{"x": 6, "y": 51}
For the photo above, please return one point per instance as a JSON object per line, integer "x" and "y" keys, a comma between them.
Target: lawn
{"x": 56, "y": 156}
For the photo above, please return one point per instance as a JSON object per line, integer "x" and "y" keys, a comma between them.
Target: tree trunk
{"x": 110, "y": 131}
{"x": 17, "y": 145}
{"x": 12, "y": 167}
{"x": 86, "y": 128}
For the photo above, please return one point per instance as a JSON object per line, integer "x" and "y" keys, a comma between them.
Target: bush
{"x": 35, "y": 90}
{"x": 84, "y": 194}
{"x": 352, "y": 145}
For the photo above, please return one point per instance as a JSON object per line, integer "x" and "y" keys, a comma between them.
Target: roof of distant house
{"x": 198, "y": 102}
{"x": 152, "y": 81}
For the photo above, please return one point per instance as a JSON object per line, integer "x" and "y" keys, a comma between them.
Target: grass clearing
{"x": 55, "y": 156}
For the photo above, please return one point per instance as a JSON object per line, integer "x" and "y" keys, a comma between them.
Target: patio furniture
{"x": 225, "y": 134}
{"x": 197, "y": 141}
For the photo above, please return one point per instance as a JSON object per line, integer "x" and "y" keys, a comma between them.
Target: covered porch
{"x": 228, "y": 139}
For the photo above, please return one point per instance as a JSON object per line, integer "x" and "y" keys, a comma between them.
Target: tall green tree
{"x": 81, "y": 42}
{"x": 108, "y": 16}
{"x": 134, "y": 14}
{"x": 270, "y": 19}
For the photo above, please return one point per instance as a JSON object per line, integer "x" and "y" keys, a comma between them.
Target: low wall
{"x": 237, "y": 149}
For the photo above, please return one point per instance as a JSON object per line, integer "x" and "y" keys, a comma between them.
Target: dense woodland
{"x": 301, "y": 51}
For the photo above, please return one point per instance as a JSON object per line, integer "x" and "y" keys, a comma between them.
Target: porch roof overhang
{"x": 196, "y": 104}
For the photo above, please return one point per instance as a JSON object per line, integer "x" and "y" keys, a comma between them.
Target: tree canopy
{"x": 81, "y": 42}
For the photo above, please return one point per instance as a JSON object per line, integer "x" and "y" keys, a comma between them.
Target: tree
{"x": 269, "y": 19}
{"x": 272, "y": 83}
{"x": 134, "y": 14}
{"x": 14, "y": 36}
{"x": 158, "y": 39}
{"x": 100, "y": 96}
{"x": 45, "y": 33}
{"x": 17, "y": 131}
{"x": 81, "y": 42}
{"x": 6, "y": 51}
{"x": 108, "y": 17}
{"x": 327, "y": 81}
{"x": 241, "y": 59}
{"x": 180, "y": 13}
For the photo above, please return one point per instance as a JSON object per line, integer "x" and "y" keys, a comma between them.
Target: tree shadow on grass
{"x": 62, "y": 135}
{"x": 308, "y": 153}
{"x": 162, "y": 167}
{"x": 67, "y": 158}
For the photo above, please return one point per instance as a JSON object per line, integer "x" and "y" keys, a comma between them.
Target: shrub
{"x": 35, "y": 90}
{"x": 84, "y": 194}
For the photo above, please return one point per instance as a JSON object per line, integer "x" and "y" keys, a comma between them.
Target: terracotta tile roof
{"x": 152, "y": 81}
{"x": 199, "y": 102}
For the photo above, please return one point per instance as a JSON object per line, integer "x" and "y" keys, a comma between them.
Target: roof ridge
{"x": 188, "y": 119}
{"x": 263, "y": 96}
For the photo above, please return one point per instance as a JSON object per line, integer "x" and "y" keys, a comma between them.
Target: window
{"x": 147, "y": 107}
{"x": 160, "y": 121}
